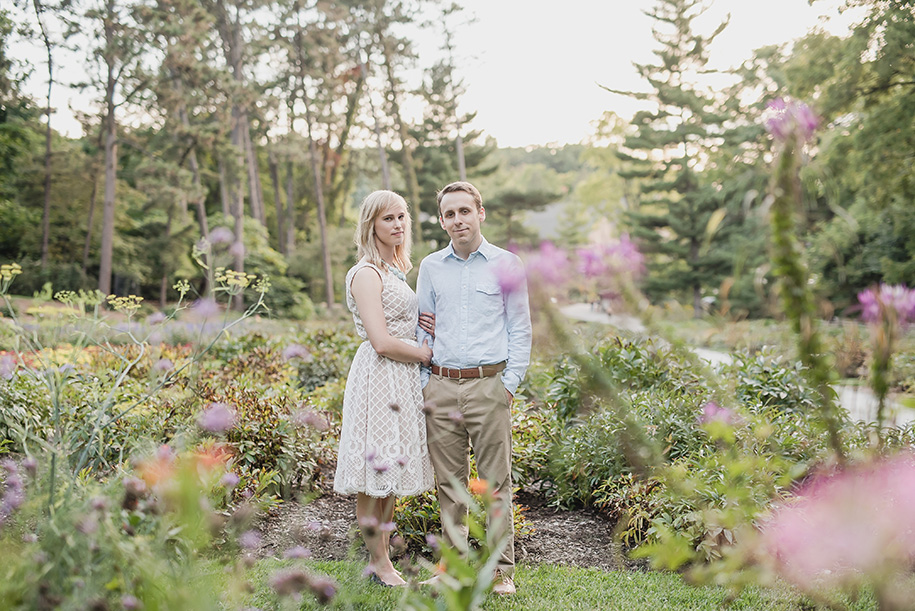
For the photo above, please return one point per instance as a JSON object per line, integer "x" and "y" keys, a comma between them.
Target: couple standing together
{"x": 473, "y": 341}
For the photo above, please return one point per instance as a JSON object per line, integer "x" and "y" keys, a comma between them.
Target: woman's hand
{"x": 427, "y": 322}
{"x": 426, "y": 352}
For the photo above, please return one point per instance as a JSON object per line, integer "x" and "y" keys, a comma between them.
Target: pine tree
{"x": 679, "y": 210}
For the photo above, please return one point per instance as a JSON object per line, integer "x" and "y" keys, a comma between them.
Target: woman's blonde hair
{"x": 374, "y": 205}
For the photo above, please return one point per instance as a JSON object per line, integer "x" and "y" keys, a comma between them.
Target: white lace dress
{"x": 383, "y": 438}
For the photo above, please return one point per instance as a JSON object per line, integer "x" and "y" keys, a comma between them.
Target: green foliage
{"x": 332, "y": 350}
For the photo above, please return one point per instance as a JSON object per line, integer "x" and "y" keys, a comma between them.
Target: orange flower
{"x": 159, "y": 469}
{"x": 478, "y": 486}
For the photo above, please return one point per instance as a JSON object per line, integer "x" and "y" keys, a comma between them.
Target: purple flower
{"x": 432, "y": 541}
{"x": 130, "y": 602}
{"x": 163, "y": 365}
{"x": 7, "y": 367}
{"x": 13, "y": 493}
{"x": 711, "y": 412}
{"x": 591, "y": 262}
{"x": 98, "y": 503}
{"x": 298, "y": 552}
{"x": 387, "y": 527}
{"x": 250, "y": 539}
{"x": 456, "y": 416}
{"x": 297, "y": 351}
{"x": 550, "y": 265}
{"x": 205, "y": 308}
{"x": 30, "y": 465}
{"x": 791, "y": 119}
{"x": 221, "y": 235}
{"x": 229, "y": 480}
{"x": 289, "y": 582}
{"x": 308, "y": 417}
{"x": 155, "y": 318}
{"x": 888, "y": 302}
{"x": 216, "y": 418}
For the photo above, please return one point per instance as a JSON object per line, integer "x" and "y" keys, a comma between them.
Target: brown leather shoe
{"x": 503, "y": 585}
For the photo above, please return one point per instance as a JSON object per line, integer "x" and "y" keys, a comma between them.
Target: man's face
{"x": 460, "y": 217}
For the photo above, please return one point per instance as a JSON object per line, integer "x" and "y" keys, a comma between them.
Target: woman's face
{"x": 391, "y": 226}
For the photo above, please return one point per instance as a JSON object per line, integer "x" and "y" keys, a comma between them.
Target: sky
{"x": 532, "y": 68}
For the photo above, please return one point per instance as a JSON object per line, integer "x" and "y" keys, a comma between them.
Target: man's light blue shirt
{"x": 476, "y": 322}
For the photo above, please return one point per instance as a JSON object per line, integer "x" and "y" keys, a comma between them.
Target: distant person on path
{"x": 482, "y": 349}
{"x": 383, "y": 451}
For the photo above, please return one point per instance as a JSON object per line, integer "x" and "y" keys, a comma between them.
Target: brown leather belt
{"x": 483, "y": 371}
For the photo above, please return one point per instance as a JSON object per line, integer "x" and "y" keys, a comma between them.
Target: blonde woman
{"x": 383, "y": 450}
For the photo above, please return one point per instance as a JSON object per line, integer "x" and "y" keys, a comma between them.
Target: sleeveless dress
{"x": 383, "y": 437}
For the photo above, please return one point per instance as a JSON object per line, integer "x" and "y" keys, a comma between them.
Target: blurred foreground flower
{"x": 7, "y": 367}
{"x": 843, "y": 529}
{"x": 297, "y": 351}
{"x": 216, "y": 418}
{"x": 791, "y": 120}
{"x": 888, "y": 302}
{"x": 221, "y": 235}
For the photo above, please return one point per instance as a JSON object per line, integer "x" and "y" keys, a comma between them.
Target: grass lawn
{"x": 550, "y": 588}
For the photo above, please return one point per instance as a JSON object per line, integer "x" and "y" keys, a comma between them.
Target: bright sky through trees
{"x": 532, "y": 66}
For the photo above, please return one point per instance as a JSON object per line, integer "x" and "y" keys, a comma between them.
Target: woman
{"x": 383, "y": 450}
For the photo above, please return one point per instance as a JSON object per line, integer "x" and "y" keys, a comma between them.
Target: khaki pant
{"x": 484, "y": 422}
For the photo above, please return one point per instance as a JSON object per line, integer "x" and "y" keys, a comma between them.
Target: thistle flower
{"x": 237, "y": 249}
{"x": 130, "y": 602}
{"x": 216, "y": 418}
{"x": 155, "y": 318}
{"x": 13, "y": 493}
{"x": 432, "y": 541}
{"x": 509, "y": 274}
{"x": 308, "y": 417}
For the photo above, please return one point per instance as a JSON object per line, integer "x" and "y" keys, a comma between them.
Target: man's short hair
{"x": 461, "y": 185}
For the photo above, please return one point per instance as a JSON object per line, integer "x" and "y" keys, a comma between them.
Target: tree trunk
{"x": 238, "y": 247}
{"x": 407, "y": 152}
{"x": 254, "y": 182}
{"x": 46, "y": 210}
{"x": 111, "y": 164}
{"x": 277, "y": 200}
{"x": 224, "y": 192}
{"x": 382, "y": 153}
{"x": 319, "y": 197}
{"x": 462, "y": 166}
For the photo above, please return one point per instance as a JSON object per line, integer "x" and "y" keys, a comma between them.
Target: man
{"x": 481, "y": 351}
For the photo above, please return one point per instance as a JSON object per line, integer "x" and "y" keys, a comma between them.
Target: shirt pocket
{"x": 489, "y": 299}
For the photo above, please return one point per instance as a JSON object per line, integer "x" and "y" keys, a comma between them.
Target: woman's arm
{"x": 366, "y": 289}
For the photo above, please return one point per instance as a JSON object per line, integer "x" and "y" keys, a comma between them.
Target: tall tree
{"x": 117, "y": 51}
{"x": 679, "y": 211}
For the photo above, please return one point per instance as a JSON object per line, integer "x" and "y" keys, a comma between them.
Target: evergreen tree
{"x": 679, "y": 210}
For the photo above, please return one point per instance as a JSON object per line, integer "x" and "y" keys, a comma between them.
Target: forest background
{"x": 259, "y": 127}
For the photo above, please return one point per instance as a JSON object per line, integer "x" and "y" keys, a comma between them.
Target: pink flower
{"x": 237, "y": 249}
{"x": 216, "y": 418}
{"x": 791, "y": 120}
{"x": 509, "y": 274}
{"x": 550, "y": 265}
{"x": 155, "y": 318}
{"x": 711, "y": 412}
{"x": 886, "y": 301}
{"x": 841, "y": 526}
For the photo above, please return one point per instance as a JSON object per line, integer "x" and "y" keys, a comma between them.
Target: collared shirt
{"x": 476, "y": 322}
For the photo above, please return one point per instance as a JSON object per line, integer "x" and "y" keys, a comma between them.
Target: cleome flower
{"x": 888, "y": 302}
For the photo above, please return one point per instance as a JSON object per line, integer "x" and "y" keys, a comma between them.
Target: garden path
{"x": 858, "y": 400}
